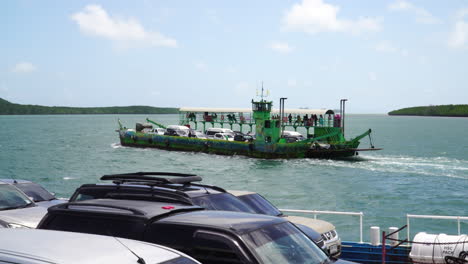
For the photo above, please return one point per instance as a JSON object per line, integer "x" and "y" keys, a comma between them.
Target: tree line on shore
{"x": 8, "y": 108}
{"x": 434, "y": 110}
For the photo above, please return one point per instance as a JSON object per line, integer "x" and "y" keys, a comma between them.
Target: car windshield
{"x": 12, "y": 198}
{"x": 180, "y": 260}
{"x": 284, "y": 243}
{"x": 37, "y": 192}
{"x": 223, "y": 202}
{"x": 259, "y": 204}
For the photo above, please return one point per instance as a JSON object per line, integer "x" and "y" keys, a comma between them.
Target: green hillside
{"x": 434, "y": 110}
{"x": 7, "y": 108}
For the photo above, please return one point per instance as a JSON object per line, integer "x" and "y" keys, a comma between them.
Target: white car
{"x": 46, "y": 246}
{"x": 210, "y": 132}
{"x": 224, "y": 136}
{"x": 156, "y": 131}
{"x": 293, "y": 134}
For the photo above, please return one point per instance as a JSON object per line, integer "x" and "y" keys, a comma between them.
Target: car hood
{"x": 340, "y": 261}
{"x": 316, "y": 224}
{"x": 29, "y": 217}
{"x": 50, "y": 203}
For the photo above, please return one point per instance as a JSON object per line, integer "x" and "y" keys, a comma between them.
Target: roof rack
{"x": 180, "y": 178}
{"x": 133, "y": 210}
{"x": 167, "y": 197}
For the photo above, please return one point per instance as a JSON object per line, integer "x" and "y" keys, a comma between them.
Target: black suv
{"x": 178, "y": 187}
{"x": 208, "y": 236}
{"x": 181, "y": 188}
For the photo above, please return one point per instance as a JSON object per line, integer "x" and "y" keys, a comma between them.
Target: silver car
{"x": 35, "y": 246}
{"x": 35, "y": 192}
{"x": 17, "y": 210}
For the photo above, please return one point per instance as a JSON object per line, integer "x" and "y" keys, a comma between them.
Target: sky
{"x": 380, "y": 55}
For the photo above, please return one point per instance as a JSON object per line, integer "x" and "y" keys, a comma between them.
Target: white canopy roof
{"x": 249, "y": 110}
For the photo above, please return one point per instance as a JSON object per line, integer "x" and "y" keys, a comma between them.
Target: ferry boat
{"x": 267, "y": 137}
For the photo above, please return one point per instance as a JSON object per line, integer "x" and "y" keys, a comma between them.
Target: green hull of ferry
{"x": 327, "y": 142}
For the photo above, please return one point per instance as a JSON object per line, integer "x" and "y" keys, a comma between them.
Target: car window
{"x": 222, "y": 201}
{"x": 284, "y": 243}
{"x": 209, "y": 251}
{"x": 12, "y": 198}
{"x": 37, "y": 192}
{"x": 108, "y": 226}
{"x": 103, "y": 192}
{"x": 180, "y": 260}
{"x": 182, "y": 238}
{"x": 259, "y": 204}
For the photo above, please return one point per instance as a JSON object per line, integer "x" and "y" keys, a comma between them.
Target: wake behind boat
{"x": 267, "y": 136}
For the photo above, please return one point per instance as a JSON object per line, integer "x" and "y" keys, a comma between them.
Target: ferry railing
{"x": 458, "y": 218}
{"x": 317, "y": 212}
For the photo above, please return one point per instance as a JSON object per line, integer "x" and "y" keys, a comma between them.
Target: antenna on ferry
{"x": 262, "y": 91}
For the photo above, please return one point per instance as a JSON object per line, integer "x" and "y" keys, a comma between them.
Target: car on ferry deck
{"x": 183, "y": 188}
{"x": 327, "y": 230}
{"x": 210, "y": 132}
{"x": 293, "y": 136}
{"x": 35, "y": 192}
{"x": 175, "y": 130}
{"x": 197, "y": 134}
{"x": 211, "y": 237}
{"x": 224, "y": 136}
{"x": 46, "y": 246}
{"x": 17, "y": 210}
{"x": 157, "y": 131}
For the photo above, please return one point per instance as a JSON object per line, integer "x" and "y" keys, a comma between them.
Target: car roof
{"x": 235, "y": 221}
{"x": 14, "y": 181}
{"x": 178, "y": 184}
{"x": 47, "y": 246}
{"x": 240, "y": 193}
{"x": 136, "y": 208}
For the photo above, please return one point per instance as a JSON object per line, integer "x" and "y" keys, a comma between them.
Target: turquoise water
{"x": 423, "y": 168}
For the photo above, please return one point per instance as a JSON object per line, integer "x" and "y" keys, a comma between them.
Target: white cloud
{"x": 3, "y": 87}
{"x": 281, "y": 47}
{"x": 23, "y": 67}
{"x": 231, "y": 69}
{"x": 201, "y": 66}
{"x": 292, "y": 83}
{"x": 315, "y": 16}
{"x": 243, "y": 88}
{"x": 422, "y": 15}
{"x": 388, "y": 47}
{"x": 385, "y": 46}
{"x": 95, "y": 21}
{"x": 459, "y": 35}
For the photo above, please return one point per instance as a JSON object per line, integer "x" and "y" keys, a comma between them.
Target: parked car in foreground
{"x": 35, "y": 192}
{"x": 211, "y": 237}
{"x": 45, "y": 246}
{"x": 263, "y": 206}
{"x": 17, "y": 210}
{"x": 183, "y": 188}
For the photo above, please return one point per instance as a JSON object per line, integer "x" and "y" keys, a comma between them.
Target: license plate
{"x": 333, "y": 249}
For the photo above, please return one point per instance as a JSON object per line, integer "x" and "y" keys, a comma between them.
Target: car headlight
{"x": 13, "y": 225}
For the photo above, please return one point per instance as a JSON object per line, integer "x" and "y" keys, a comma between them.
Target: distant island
{"x": 8, "y": 108}
{"x": 433, "y": 110}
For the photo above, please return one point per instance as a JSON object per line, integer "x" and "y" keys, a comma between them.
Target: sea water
{"x": 422, "y": 169}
